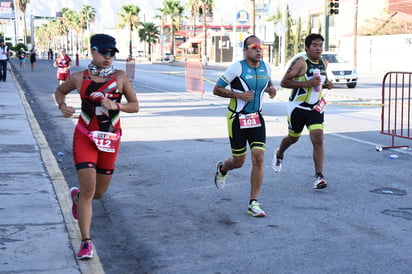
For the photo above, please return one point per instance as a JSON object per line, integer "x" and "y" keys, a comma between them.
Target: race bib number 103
{"x": 249, "y": 120}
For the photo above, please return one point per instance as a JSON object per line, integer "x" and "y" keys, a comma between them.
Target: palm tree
{"x": 286, "y": 50}
{"x": 149, "y": 33}
{"x": 206, "y": 7}
{"x": 21, "y": 6}
{"x": 298, "y": 36}
{"x": 192, "y": 5}
{"x": 45, "y": 34}
{"x": 277, "y": 20}
{"x": 172, "y": 10}
{"x": 289, "y": 22}
{"x": 73, "y": 24}
{"x": 309, "y": 25}
{"x": 129, "y": 17}
{"x": 55, "y": 29}
{"x": 87, "y": 15}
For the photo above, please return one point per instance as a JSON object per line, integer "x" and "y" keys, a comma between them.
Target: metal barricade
{"x": 194, "y": 76}
{"x": 130, "y": 67}
{"x": 396, "y": 106}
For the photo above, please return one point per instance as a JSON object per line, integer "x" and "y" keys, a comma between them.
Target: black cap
{"x": 1, "y": 40}
{"x": 103, "y": 41}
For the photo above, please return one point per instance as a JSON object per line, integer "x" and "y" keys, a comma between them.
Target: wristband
{"x": 118, "y": 106}
{"x": 60, "y": 105}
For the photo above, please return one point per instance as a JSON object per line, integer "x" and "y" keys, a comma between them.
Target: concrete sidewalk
{"x": 38, "y": 233}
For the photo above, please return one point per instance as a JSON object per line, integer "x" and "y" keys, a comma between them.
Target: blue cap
{"x": 103, "y": 41}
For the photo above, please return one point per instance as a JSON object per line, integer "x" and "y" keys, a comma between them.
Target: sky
{"x": 106, "y": 10}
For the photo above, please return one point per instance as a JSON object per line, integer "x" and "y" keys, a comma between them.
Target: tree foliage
{"x": 21, "y": 5}
{"x": 172, "y": 11}
{"x": 203, "y": 7}
{"x": 129, "y": 16}
{"x": 55, "y": 33}
{"x": 387, "y": 24}
{"x": 149, "y": 34}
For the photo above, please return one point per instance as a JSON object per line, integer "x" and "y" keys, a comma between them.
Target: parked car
{"x": 168, "y": 57}
{"x": 338, "y": 71}
{"x": 138, "y": 53}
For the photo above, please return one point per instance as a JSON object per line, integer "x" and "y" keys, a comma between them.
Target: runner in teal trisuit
{"x": 248, "y": 80}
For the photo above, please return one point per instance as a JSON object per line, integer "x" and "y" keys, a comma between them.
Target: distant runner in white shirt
{"x": 4, "y": 56}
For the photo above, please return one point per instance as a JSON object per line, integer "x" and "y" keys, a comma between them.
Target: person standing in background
{"x": 4, "y": 57}
{"x": 33, "y": 59}
{"x": 50, "y": 55}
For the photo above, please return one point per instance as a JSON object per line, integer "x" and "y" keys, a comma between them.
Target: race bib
{"x": 105, "y": 141}
{"x": 249, "y": 120}
{"x": 62, "y": 70}
{"x": 320, "y": 107}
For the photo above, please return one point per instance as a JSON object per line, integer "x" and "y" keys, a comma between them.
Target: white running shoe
{"x": 276, "y": 162}
{"x": 255, "y": 210}
{"x": 320, "y": 183}
{"x": 219, "y": 177}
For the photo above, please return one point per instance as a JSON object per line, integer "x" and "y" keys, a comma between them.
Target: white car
{"x": 168, "y": 57}
{"x": 338, "y": 71}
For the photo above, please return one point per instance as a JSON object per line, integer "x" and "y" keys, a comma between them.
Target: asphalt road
{"x": 163, "y": 214}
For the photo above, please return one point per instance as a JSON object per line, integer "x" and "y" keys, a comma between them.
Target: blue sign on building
{"x": 242, "y": 17}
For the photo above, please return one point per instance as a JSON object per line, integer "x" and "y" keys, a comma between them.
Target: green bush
{"x": 17, "y": 47}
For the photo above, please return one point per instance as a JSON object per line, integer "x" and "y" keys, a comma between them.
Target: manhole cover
{"x": 389, "y": 191}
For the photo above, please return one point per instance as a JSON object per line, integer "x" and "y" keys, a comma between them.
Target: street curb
{"x": 60, "y": 187}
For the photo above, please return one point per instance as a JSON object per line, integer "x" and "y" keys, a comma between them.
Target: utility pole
{"x": 355, "y": 34}
{"x": 326, "y": 25}
{"x": 253, "y": 22}
{"x": 32, "y": 30}
{"x": 284, "y": 42}
{"x": 326, "y": 32}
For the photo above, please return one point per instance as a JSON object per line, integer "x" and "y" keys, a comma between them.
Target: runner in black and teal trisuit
{"x": 248, "y": 80}
{"x": 242, "y": 78}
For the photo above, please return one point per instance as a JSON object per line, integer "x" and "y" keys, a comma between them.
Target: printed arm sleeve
{"x": 230, "y": 74}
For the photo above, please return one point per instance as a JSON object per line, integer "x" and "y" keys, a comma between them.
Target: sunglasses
{"x": 255, "y": 46}
{"x": 105, "y": 52}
